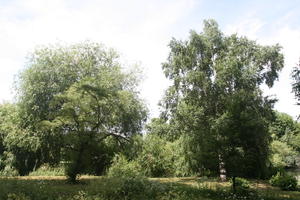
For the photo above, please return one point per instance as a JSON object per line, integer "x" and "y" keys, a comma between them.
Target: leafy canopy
{"x": 215, "y": 97}
{"x": 74, "y": 98}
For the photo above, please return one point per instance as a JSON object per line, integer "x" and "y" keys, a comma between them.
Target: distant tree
{"x": 18, "y": 147}
{"x": 284, "y": 126}
{"x": 216, "y": 99}
{"x": 282, "y": 154}
{"x": 296, "y": 83}
{"x": 285, "y": 132}
{"x": 163, "y": 128}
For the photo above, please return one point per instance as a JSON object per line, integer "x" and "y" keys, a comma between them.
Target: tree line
{"x": 78, "y": 107}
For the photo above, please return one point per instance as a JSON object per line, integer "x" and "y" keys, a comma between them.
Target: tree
{"x": 51, "y": 70}
{"x": 216, "y": 98}
{"x": 283, "y": 155}
{"x": 284, "y": 126}
{"x": 18, "y": 148}
{"x": 296, "y": 83}
{"x": 75, "y": 98}
{"x": 93, "y": 110}
{"x": 285, "y": 132}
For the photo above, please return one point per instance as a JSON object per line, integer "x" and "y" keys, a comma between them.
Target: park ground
{"x": 102, "y": 188}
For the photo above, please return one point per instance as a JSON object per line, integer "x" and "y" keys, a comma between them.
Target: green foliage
{"x": 72, "y": 98}
{"x": 176, "y": 147}
{"x": 9, "y": 171}
{"x": 156, "y": 157}
{"x": 130, "y": 188}
{"x": 159, "y": 157}
{"x": 136, "y": 188}
{"x": 123, "y": 168}
{"x": 82, "y": 196}
{"x": 83, "y": 83}
{"x": 18, "y": 146}
{"x": 284, "y": 181}
{"x": 181, "y": 157}
{"x": 215, "y": 98}
{"x": 285, "y": 145}
{"x": 241, "y": 182}
{"x": 284, "y": 127}
{"x": 163, "y": 129}
{"x": 133, "y": 148}
{"x": 296, "y": 83}
{"x": 282, "y": 155}
{"x": 17, "y": 197}
{"x": 7, "y": 162}
{"x": 47, "y": 170}
{"x": 94, "y": 110}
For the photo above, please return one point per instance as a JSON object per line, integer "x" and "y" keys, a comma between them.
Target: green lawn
{"x": 102, "y": 188}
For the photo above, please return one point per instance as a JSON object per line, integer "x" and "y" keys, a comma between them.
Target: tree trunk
{"x": 233, "y": 184}
{"x": 222, "y": 168}
{"x": 75, "y": 167}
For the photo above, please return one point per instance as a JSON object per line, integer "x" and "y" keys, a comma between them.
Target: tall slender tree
{"x": 216, "y": 98}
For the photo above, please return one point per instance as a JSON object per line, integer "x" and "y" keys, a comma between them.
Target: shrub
{"x": 285, "y": 182}
{"x": 46, "y": 170}
{"x": 9, "y": 171}
{"x": 121, "y": 167}
{"x": 242, "y": 183}
{"x": 156, "y": 157}
{"x": 242, "y": 188}
{"x": 130, "y": 188}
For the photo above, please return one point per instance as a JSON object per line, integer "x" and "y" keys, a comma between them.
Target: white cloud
{"x": 249, "y": 27}
{"x": 139, "y": 30}
{"x": 289, "y": 39}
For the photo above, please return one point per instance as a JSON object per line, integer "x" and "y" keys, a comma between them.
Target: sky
{"x": 140, "y": 31}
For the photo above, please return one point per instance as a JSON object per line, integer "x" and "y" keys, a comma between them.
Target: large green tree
{"x": 51, "y": 70}
{"x": 94, "y": 109}
{"x": 216, "y": 98}
{"x": 73, "y": 97}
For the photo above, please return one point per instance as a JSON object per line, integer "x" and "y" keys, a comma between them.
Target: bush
{"x": 121, "y": 167}
{"x": 285, "y": 182}
{"x": 242, "y": 183}
{"x": 9, "y": 171}
{"x": 156, "y": 157}
{"x": 130, "y": 188}
{"x": 46, "y": 170}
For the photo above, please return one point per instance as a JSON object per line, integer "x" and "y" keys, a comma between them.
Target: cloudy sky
{"x": 140, "y": 31}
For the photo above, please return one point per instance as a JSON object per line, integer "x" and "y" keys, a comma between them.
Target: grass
{"x": 102, "y": 188}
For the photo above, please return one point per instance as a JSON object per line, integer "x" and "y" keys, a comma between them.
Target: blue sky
{"x": 140, "y": 31}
